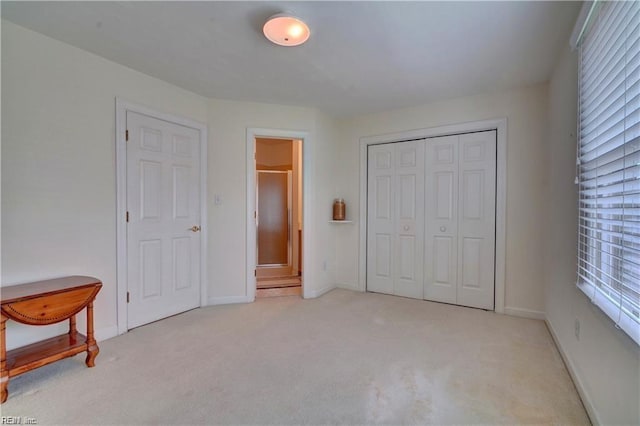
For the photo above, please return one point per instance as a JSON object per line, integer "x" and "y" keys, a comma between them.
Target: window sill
{"x": 612, "y": 310}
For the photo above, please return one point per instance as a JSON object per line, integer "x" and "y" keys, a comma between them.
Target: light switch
{"x": 217, "y": 199}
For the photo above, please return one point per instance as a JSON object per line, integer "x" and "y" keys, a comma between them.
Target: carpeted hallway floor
{"x": 344, "y": 358}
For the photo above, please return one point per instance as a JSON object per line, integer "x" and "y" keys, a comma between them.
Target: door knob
{"x": 195, "y": 228}
{"x": 406, "y": 227}
{"x": 442, "y": 229}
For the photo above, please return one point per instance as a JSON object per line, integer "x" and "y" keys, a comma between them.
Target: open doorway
{"x": 278, "y": 179}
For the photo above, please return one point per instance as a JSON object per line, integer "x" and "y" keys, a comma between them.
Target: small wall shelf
{"x": 340, "y": 221}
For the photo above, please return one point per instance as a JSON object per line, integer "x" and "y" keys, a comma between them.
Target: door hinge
{"x": 127, "y": 217}
{"x": 126, "y": 135}
{"x": 127, "y": 297}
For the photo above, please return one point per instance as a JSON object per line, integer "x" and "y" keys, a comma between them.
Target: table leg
{"x": 72, "y": 328}
{"x": 92, "y": 346}
{"x": 4, "y": 372}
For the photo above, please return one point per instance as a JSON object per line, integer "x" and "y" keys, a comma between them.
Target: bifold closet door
{"x": 395, "y": 226}
{"x": 477, "y": 220}
{"x": 460, "y": 219}
{"x": 441, "y": 219}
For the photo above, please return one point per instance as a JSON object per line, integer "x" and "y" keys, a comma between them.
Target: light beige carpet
{"x": 344, "y": 358}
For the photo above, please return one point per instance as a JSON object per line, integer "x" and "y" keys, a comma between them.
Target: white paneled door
{"x": 395, "y": 224}
{"x": 431, "y": 219}
{"x": 441, "y": 219}
{"x": 460, "y": 219}
{"x": 477, "y": 219}
{"x": 163, "y": 229}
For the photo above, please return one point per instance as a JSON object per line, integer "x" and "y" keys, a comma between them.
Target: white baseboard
{"x": 525, "y": 313}
{"x": 352, "y": 287}
{"x": 584, "y": 396}
{"x": 228, "y": 300}
{"x": 105, "y": 333}
{"x": 312, "y": 294}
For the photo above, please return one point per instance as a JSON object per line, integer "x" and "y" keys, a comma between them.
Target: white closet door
{"x": 476, "y": 223}
{"x": 431, "y": 219}
{"x": 395, "y": 230}
{"x": 441, "y": 219}
{"x": 380, "y": 218}
{"x": 460, "y": 219}
{"x": 409, "y": 226}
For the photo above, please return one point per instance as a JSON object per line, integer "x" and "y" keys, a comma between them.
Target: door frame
{"x": 500, "y": 125}
{"x": 122, "y": 106}
{"x": 307, "y": 205}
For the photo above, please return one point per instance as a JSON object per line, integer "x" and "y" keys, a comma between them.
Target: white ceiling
{"x": 362, "y": 56}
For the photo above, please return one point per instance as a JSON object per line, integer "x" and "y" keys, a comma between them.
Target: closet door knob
{"x": 195, "y": 228}
{"x": 443, "y": 228}
{"x": 406, "y": 227}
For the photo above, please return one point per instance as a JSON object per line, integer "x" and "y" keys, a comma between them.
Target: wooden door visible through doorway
{"x": 274, "y": 218}
{"x": 278, "y": 216}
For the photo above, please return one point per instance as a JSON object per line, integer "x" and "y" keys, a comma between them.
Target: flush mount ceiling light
{"x": 286, "y": 30}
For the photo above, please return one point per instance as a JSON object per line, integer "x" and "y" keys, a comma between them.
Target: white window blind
{"x": 609, "y": 163}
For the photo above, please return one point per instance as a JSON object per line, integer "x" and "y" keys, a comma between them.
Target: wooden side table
{"x": 43, "y": 303}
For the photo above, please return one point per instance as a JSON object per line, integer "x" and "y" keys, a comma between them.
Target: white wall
{"x": 322, "y": 232}
{"x": 58, "y": 171}
{"x": 228, "y": 122}
{"x": 525, "y": 110}
{"x": 58, "y": 163}
{"x": 605, "y": 362}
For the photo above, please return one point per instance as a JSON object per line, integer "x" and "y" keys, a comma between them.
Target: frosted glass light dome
{"x": 286, "y": 30}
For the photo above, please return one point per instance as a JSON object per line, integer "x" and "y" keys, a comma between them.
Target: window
{"x": 609, "y": 163}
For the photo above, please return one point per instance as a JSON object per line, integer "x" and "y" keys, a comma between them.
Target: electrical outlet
{"x": 576, "y": 330}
